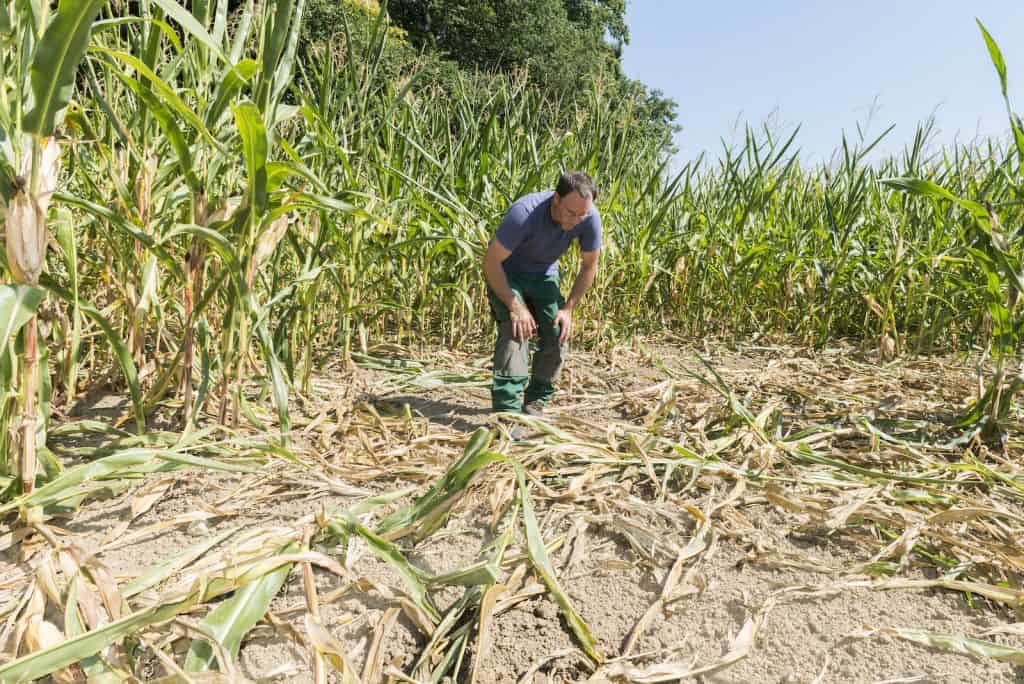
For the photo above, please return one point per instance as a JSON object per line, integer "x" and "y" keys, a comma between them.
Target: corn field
{"x": 202, "y": 215}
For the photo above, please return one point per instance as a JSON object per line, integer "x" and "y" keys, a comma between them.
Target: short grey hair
{"x": 578, "y": 182}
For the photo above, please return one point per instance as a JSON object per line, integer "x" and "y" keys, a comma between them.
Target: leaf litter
{"x": 765, "y": 514}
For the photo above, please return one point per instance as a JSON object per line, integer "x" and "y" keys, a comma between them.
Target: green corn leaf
{"x": 996, "y": 55}
{"x": 915, "y": 495}
{"x": 203, "y": 337}
{"x": 542, "y": 564}
{"x": 220, "y": 21}
{"x": 278, "y": 380}
{"x": 344, "y": 524}
{"x": 41, "y": 663}
{"x": 373, "y": 502}
{"x": 1000, "y": 64}
{"x": 1018, "y": 132}
{"x": 45, "y": 396}
{"x": 111, "y": 466}
{"x": 18, "y": 303}
{"x": 468, "y": 601}
{"x": 958, "y": 643}
{"x": 230, "y": 84}
{"x": 192, "y": 26}
{"x": 254, "y": 149}
{"x": 283, "y": 75}
{"x": 167, "y": 29}
{"x": 158, "y": 573}
{"x": 475, "y": 456}
{"x": 168, "y": 94}
{"x": 55, "y": 63}
{"x": 203, "y": 11}
{"x": 169, "y": 125}
{"x": 483, "y": 572}
{"x": 277, "y": 18}
{"x": 925, "y": 188}
{"x": 318, "y": 201}
{"x": 64, "y": 229}
{"x": 243, "y": 25}
{"x": 453, "y": 654}
{"x": 342, "y": 532}
{"x": 235, "y": 617}
{"x": 115, "y": 220}
{"x": 218, "y": 242}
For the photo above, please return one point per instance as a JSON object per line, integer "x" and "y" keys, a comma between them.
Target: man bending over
{"x": 521, "y": 268}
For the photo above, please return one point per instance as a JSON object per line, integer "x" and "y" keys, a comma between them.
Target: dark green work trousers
{"x": 512, "y": 373}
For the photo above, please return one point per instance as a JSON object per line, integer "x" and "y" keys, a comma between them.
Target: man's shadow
{"x": 455, "y": 415}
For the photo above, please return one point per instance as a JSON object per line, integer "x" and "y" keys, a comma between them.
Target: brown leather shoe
{"x": 534, "y": 409}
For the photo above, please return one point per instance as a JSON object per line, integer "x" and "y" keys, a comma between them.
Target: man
{"x": 521, "y": 268}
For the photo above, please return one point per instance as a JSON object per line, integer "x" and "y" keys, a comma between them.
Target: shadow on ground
{"x": 452, "y": 413}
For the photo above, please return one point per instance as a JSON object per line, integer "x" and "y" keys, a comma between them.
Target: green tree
{"x": 562, "y": 44}
{"x": 559, "y": 42}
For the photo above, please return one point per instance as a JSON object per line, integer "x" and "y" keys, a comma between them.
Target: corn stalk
{"x": 997, "y": 255}
{"x": 53, "y": 49}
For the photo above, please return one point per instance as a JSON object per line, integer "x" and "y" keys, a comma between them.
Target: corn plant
{"x": 43, "y": 54}
{"x": 212, "y": 213}
{"x": 996, "y": 254}
{"x": 234, "y": 226}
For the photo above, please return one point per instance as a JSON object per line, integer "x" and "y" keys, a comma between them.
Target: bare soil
{"x": 821, "y": 616}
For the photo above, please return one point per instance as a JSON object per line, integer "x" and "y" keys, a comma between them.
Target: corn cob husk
{"x": 25, "y": 216}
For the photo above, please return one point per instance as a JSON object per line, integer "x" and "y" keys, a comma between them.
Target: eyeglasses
{"x": 579, "y": 216}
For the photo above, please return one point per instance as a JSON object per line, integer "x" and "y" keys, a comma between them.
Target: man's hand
{"x": 584, "y": 279}
{"x": 523, "y": 325}
{"x": 563, "y": 320}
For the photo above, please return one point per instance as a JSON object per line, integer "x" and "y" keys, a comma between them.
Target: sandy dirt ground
{"x": 695, "y": 545}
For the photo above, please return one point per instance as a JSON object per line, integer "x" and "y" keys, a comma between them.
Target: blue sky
{"x": 827, "y": 66}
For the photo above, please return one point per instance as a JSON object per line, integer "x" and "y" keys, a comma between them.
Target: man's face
{"x": 570, "y": 210}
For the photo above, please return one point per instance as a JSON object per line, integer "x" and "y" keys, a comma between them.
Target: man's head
{"x": 573, "y": 199}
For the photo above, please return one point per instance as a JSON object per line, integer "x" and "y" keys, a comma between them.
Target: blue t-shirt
{"x": 536, "y": 241}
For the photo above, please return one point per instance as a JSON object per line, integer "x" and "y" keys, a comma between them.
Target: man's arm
{"x": 523, "y": 325}
{"x": 584, "y": 279}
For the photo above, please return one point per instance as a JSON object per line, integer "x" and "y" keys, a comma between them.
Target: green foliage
{"x": 18, "y": 303}
{"x": 562, "y": 47}
{"x": 227, "y": 228}
{"x": 55, "y": 63}
{"x": 230, "y": 621}
{"x": 562, "y": 43}
{"x": 996, "y": 254}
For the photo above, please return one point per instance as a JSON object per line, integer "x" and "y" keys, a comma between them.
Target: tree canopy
{"x": 557, "y": 41}
{"x": 564, "y": 46}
